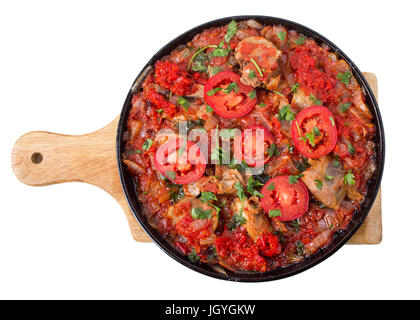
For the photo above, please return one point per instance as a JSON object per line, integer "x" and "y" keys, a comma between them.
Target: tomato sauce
{"x": 217, "y": 215}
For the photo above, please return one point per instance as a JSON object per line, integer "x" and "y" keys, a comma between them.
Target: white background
{"x": 67, "y": 66}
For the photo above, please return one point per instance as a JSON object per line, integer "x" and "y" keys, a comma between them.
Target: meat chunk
{"x": 227, "y": 179}
{"x": 301, "y": 99}
{"x": 329, "y": 175}
{"x": 257, "y": 222}
{"x": 258, "y": 59}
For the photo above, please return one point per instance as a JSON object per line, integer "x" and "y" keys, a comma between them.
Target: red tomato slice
{"x": 284, "y": 201}
{"x": 228, "y": 96}
{"x": 314, "y": 132}
{"x": 252, "y": 147}
{"x": 180, "y": 161}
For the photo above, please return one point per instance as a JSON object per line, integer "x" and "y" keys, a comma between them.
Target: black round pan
{"x": 339, "y": 239}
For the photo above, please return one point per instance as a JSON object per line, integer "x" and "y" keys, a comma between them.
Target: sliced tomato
{"x": 253, "y": 146}
{"x": 283, "y": 200}
{"x": 180, "y": 161}
{"x": 228, "y": 96}
{"x": 314, "y": 132}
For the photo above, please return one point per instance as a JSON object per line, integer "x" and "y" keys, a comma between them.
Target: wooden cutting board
{"x": 37, "y": 160}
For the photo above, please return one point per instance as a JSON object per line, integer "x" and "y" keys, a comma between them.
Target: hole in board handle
{"x": 36, "y": 157}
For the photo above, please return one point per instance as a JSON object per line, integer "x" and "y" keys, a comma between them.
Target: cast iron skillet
{"x": 339, "y": 239}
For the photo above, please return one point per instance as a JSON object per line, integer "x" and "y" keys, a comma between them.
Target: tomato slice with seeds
{"x": 283, "y": 200}
{"x": 180, "y": 161}
{"x": 228, "y": 96}
{"x": 253, "y": 146}
{"x": 314, "y": 132}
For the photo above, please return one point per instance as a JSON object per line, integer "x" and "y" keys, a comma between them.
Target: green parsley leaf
{"x": 262, "y": 105}
{"x": 317, "y": 133}
{"x": 294, "y": 179}
{"x": 281, "y": 35}
{"x": 301, "y": 40}
{"x": 251, "y": 74}
{"x": 344, "y": 77}
{"x": 135, "y": 151}
{"x": 213, "y": 91}
{"x": 300, "y": 248}
{"x": 351, "y": 149}
{"x": 233, "y": 86}
{"x": 290, "y": 148}
{"x": 271, "y": 187}
{"x": 274, "y": 213}
{"x": 231, "y": 31}
{"x": 336, "y": 162}
{"x": 199, "y": 213}
{"x": 344, "y": 107}
{"x": 315, "y": 100}
{"x": 318, "y": 184}
{"x": 184, "y": 103}
{"x": 272, "y": 151}
{"x": 295, "y": 224}
{"x": 207, "y": 196}
{"x": 294, "y": 88}
{"x": 147, "y": 144}
{"x": 278, "y": 93}
{"x": 349, "y": 178}
{"x": 201, "y": 60}
{"x": 171, "y": 175}
{"x": 220, "y": 52}
{"x": 237, "y": 220}
{"x": 332, "y": 121}
{"x": 193, "y": 256}
{"x": 159, "y": 111}
{"x": 209, "y": 109}
{"x": 240, "y": 190}
{"x": 215, "y": 70}
{"x": 252, "y": 94}
{"x": 328, "y": 177}
{"x": 286, "y": 114}
{"x": 257, "y": 67}
{"x": 251, "y": 186}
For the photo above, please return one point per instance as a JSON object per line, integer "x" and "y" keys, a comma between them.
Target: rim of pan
{"x": 340, "y": 238}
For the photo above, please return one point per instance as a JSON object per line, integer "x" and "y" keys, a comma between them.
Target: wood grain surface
{"x": 43, "y": 158}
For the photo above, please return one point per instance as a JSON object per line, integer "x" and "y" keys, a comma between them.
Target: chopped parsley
{"x": 318, "y": 184}
{"x": 294, "y": 179}
{"x": 231, "y": 31}
{"x": 286, "y": 114}
{"x": 281, "y": 35}
{"x": 220, "y": 52}
{"x": 300, "y": 248}
{"x": 336, "y": 162}
{"x": 193, "y": 256}
{"x": 315, "y": 100}
{"x": 237, "y": 220}
{"x": 332, "y": 121}
{"x": 147, "y": 144}
{"x": 199, "y": 64}
{"x": 278, "y": 93}
{"x": 274, "y": 213}
{"x": 301, "y": 40}
{"x": 302, "y": 164}
{"x": 199, "y": 213}
{"x": 252, "y": 94}
{"x": 271, "y": 187}
{"x": 213, "y": 91}
{"x": 294, "y": 88}
{"x": 344, "y": 77}
{"x": 207, "y": 196}
{"x": 295, "y": 224}
{"x": 257, "y": 67}
{"x": 171, "y": 175}
{"x": 214, "y": 70}
{"x": 184, "y": 103}
{"x": 251, "y": 74}
{"x": 328, "y": 177}
{"x": 233, "y": 86}
{"x": 251, "y": 186}
{"x": 262, "y": 105}
{"x": 209, "y": 109}
{"x": 240, "y": 191}
{"x": 135, "y": 151}
{"x": 344, "y": 107}
{"x": 349, "y": 178}
{"x": 351, "y": 149}
{"x": 272, "y": 151}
